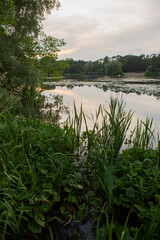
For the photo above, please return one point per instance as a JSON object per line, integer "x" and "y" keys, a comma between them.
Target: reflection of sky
{"x": 92, "y": 97}
{"x": 61, "y": 92}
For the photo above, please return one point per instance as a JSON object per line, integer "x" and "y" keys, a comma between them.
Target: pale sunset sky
{"x": 93, "y": 29}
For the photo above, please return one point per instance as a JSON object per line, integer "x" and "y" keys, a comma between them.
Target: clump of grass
{"x": 143, "y": 135}
{"x": 115, "y": 125}
{"x": 109, "y": 135}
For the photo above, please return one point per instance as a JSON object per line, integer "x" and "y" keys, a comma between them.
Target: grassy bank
{"x": 55, "y": 179}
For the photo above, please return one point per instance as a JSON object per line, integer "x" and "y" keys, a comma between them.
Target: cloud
{"x": 94, "y": 29}
{"x": 68, "y": 51}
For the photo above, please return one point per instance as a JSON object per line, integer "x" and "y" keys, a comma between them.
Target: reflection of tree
{"x": 70, "y": 86}
{"x": 54, "y": 109}
{"x": 50, "y": 86}
{"x": 105, "y": 88}
{"x": 58, "y": 100}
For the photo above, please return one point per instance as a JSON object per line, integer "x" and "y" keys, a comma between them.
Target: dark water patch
{"x": 72, "y": 230}
{"x": 142, "y": 82}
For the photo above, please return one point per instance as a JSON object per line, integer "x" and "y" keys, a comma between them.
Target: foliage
{"x": 113, "y": 66}
{"x": 53, "y": 68}
{"x": 125, "y": 187}
{"x": 39, "y": 176}
{"x": 132, "y": 63}
{"x": 22, "y": 44}
{"x": 82, "y": 69}
{"x": 30, "y": 14}
{"x": 6, "y": 13}
{"x": 154, "y": 67}
{"x": 52, "y": 176}
{"x": 113, "y": 69}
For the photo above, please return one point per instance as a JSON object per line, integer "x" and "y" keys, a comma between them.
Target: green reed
{"x": 143, "y": 135}
{"x": 110, "y": 134}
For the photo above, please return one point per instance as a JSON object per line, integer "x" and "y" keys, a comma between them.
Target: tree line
{"x": 115, "y": 66}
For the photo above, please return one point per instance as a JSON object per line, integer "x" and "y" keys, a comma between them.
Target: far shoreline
{"x": 134, "y": 74}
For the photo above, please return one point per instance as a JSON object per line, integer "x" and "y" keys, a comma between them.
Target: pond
{"x": 140, "y": 95}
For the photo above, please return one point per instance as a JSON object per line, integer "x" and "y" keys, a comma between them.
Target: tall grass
{"x": 109, "y": 135}
{"x": 115, "y": 125}
{"x": 143, "y": 135}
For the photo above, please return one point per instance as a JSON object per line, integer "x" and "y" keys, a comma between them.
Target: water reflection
{"x": 63, "y": 92}
{"x": 91, "y": 97}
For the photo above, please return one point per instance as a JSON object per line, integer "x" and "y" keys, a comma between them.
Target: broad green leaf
{"x": 39, "y": 221}
{"x": 56, "y": 197}
{"x": 68, "y": 189}
{"x": 43, "y": 170}
{"x": 130, "y": 192}
{"x": 45, "y": 206}
{"x": 48, "y": 185}
{"x": 34, "y": 227}
{"x": 140, "y": 208}
{"x": 72, "y": 198}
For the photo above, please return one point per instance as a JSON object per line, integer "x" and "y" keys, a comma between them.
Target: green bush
{"x": 40, "y": 177}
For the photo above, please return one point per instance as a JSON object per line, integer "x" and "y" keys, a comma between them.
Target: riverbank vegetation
{"x": 55, "y": 180}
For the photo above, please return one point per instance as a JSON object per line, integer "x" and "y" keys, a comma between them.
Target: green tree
{"x": 114, "y": 69}
{"x": 133, "y": 63}
{"x": 88, "y": 67}
{"x": 106, "y": 60}
{"x": 154, "y": 67}
{"x": 7, "y": 11}
{"x": 75, "y": 69}
{"x": 23, "y": 44}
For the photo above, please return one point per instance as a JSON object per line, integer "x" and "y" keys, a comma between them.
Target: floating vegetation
{"x": 125, "y": 85}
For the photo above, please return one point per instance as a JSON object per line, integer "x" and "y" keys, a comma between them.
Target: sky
{"x": 93, "y": 29}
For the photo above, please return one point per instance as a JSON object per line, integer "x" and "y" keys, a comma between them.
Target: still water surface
{"x": 91, "y": 97}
